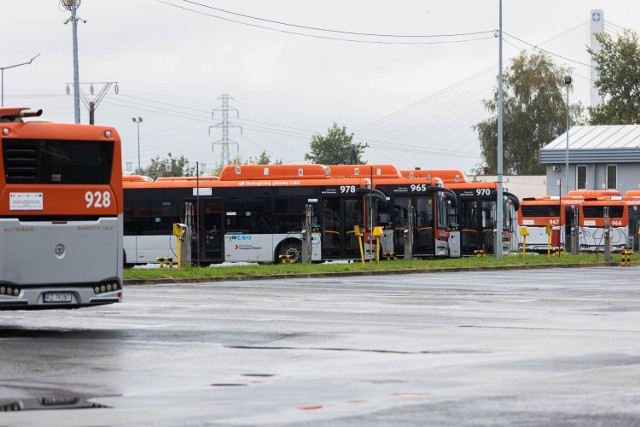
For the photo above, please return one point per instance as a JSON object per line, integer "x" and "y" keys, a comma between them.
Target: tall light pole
{"x": 137, "y": 122}
{"x": 72, "y": 5}
{"x": 500, "y": 195}
{"x": 13, "y": 66}
{"x": 567, "y": 83}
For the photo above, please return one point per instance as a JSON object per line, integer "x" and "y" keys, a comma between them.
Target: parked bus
{"x": 622, "y": 213}
{"x": 251, "y": 213}
{"x": 60, "y": 213}
{"x": 416, "y": 205}
{"x": 476, "y": 210}
{"x": 542, "y": 215}
{"x": 264, "y": 208}
{"x": 632, "y": 200}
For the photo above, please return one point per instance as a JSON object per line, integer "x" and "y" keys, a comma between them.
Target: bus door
{"x": 424, "y": 237}
{"x": 403, "y": 220}
{"x": 470, "y": 226}
{"x": 634, "y": 227}
{"x": 207, "y": 235}
{"x": 570, "y": 221}
{"x": 339, "y": 216}
{"x": 488, "y": 222}
{"x": 415, "y": 212}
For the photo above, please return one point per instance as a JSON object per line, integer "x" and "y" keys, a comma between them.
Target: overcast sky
{"x": 173, "y": 59}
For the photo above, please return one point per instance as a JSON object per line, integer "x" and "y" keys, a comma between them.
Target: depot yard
{"x": 548, "y": 346}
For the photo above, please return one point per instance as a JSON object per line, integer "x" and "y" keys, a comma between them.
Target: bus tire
{"x": 293, "y": 248}
{"x": 124, "y": 260}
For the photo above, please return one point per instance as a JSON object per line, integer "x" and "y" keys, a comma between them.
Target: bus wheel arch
{"x": 291, "y": 247}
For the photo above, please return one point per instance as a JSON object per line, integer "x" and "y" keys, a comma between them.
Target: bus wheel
{"x": 293, "y": 249}
{"x": 124, "y": 260}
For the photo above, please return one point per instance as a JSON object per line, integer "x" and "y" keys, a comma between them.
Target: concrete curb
{"x": 189, "y": 280}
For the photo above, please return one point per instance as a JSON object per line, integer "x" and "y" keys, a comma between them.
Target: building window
{"x": 581, "y": 177}
{"x": 612, "y": 173}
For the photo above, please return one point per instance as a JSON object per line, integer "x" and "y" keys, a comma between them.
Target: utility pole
{"x": 567, "y": 83}
{"x": 91, "y": 105}
{"x": 500, "y": 196}
{"x": 72, "y": 5}
{"x": 137, "y": 122}
{"x": 225, "y": 157}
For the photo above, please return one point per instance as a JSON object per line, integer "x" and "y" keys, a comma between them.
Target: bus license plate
{"x": 57, "y": 297}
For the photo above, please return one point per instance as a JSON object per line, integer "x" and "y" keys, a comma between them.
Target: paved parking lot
{"x": 538, "y": 347}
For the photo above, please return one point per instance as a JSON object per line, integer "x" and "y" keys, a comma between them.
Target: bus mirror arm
{"x": 514, "y": 200}
{"x": 377, "y": 194}
{"x": 449, "y": 194}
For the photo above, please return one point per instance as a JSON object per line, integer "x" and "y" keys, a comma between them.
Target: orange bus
{"x": 255, "y": 213}
{"x": 476, "y": 212}
{"x": 549, "y": 213}
{"x": 60, "y": 213}
{"x": 415, "y": 204}
{"x": 250, "y": 213}
{"x": 623, "y": 216}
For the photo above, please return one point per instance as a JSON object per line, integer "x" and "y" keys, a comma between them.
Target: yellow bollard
{"x": 356, "y": 230}
{"x": 524, "y": 232}
{"x": 377, "y": 234}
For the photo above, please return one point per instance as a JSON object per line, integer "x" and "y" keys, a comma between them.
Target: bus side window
{"x": 156, "y": 217}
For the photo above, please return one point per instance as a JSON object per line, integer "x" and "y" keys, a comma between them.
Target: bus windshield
{"x": 541, "y": 210}
{"x": 44, "y": 161}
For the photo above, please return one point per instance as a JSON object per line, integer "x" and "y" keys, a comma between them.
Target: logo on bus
{"x": 240, "y": 237}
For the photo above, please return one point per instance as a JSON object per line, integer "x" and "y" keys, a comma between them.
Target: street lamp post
{"x": 137, "y": 122}
{"x": 73, "y": 5}
{"x": 500, "y": 196}
{"x": 13, "y": 66}
{"x": 567, "y": 83}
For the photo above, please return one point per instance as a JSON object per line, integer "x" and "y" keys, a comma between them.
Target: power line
{"x": 306, "y": 27}
{"x": 351, "y": 40}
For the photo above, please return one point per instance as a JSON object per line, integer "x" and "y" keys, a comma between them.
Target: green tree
{"x": 335, "y": 148}
{"x": 262, "y": 159}
{"x": 534, "y": 114}
{"x": 618, "y": 80}
{"x": 170, "y": 166}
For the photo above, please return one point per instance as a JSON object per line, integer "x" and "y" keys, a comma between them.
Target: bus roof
{"x": 593, "y": 194}
{"x": 255, "y": 172}
{"x": 364, "y": 171}
{"x": 245, "y": 183}
{"x": 447, "y": 175}
{"x": 188, "y": 178}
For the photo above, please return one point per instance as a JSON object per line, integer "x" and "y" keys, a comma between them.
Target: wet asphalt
{"x": 534, "y": 347}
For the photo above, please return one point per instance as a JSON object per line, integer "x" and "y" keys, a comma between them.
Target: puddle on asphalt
{"x": 47, "y": 403}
